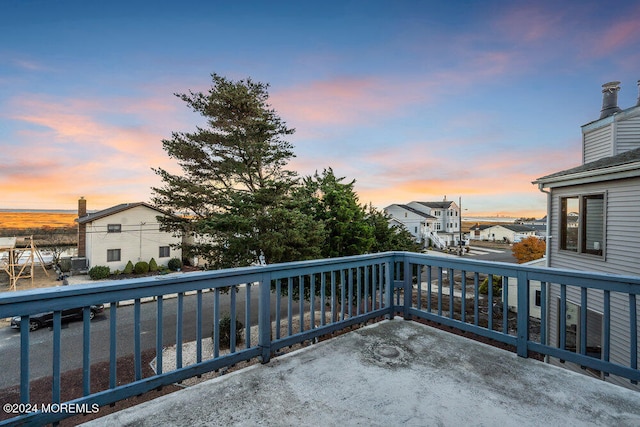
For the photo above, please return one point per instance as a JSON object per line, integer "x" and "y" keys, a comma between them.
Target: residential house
{"x": 433, "y": 223}
{"x": 419, "y": 224}
{"x": 502, "y": 232}
{"x": 126, "y": 232}
{"x": 603, "y": 194}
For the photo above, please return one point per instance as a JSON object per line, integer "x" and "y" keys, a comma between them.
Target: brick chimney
{"x": 82, "y": 228}
{"x": 610, "y": 99}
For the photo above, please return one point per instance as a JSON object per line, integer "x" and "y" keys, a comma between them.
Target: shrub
{"x": 497, "y": 286}
{"x": 99, "y": 272}
{"x": 225, "y": 331}
{"x": 174, "y": 264}
{"x": 153, "y": 265}
{"x": 141, "y": 267}
{"x": 128, "y": 269}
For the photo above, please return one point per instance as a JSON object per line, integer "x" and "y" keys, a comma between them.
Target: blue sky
{"x": 414, "y": 100}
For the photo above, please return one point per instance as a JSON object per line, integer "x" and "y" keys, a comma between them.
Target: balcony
{"x": 387, "y": 372}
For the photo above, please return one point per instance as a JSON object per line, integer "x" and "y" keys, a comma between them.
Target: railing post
{"x": 523, "y": 313}
{"x": 264, "y": 318}
{"x": 408, "y": 289}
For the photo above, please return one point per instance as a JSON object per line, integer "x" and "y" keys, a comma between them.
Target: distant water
{"x": 54, "y": 211}
{"x": 489, "y": 219}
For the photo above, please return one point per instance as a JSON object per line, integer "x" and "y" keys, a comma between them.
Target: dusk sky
{"x": 414, "y": 100}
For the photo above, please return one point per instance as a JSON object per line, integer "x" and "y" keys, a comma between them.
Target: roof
{"x": 417, "y": 212}
{"x": 517, "y": 228}
{"x": 114, "y": 210}
{"x": 437, "y": 205}
{"x": 622, "y": 163}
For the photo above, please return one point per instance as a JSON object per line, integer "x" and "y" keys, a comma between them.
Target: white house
{"x": 594, "y": 211}
{"x": 502, "y": 232}
{"x": 439, "y": 222}
{"x": 127, "y": 232}
{"x": 419, "y": 224}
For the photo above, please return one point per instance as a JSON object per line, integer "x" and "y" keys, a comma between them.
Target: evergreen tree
{"x": 234, "y": 192}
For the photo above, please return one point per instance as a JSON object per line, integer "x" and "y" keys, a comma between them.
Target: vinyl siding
{"x": 139, "y": 240}
{"x": 628, "y": 134}
{"x": 622, "y": 256}
{"x": 597, "y": 144}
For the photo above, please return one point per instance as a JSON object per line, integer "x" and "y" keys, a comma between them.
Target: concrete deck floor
{"x": 393, "y": 373}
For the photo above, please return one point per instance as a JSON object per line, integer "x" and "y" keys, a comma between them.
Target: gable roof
{"x": 517, "y": 228}
{"x": 114, "y": 210}
{"x": 417, "y": 212}
{"x": 623, "y": 165}
{"x": 437, "y": 205}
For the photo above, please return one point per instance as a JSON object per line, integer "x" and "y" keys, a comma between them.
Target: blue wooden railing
{"x": 337, "y": 294}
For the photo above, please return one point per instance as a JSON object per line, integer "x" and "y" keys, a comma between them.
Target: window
{"x": 113, "y": 255}
{"x": 114, "y": 228}
{"x": 164, "y": 252}
{"x": 582, "y": 224}
{"x": 415, "y": 229}
{"x": 538, "y": 298}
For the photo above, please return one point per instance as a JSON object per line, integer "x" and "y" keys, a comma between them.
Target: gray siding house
{"x": 604, "y": 195}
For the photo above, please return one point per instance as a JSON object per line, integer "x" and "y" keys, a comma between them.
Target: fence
{"x": 261, "y": 310}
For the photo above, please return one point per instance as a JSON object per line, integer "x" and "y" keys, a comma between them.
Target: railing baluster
{"x": 312, "y": 301}
{"x": 216, "y": 323}
{"x": 583, "y": 320}
{"x": 86, "y": 351}
{"x": 247, "y": 316}
{"x": 159, "y": 335}
{"x": 419, "y": 276}
{"x": 439, "y": 291}
{"x": 57, "y": 335}
{"x": 606, "y": 345}
{"x": 137, "y": 353}
{"x": 343, "y": 289}
{"x": 451, "y": 293}
{"x": 232, "y": 327}
{"x": 463, "y": 296}
{"x": 490, "y": 303}
{"x": 563, "y": 316}
{"x": 429, "y": 289}
{"x": 289, "y": 306}
{"x": 323, "y": 304}
{"x": 505, "y": 305}
{"x": 333, "y": 296}
{"x": 349, "y": 273}
{"x": 358, "y": 290}
{"x": 367, "y": 283}
{"x": 199, "y": 326}
{"x": 374, "y": 286}
{"x": 278, "y": 306}
{"x": 633, "y": 333}
{"x": 179, "y": 321}
{"x": 24, "y": 359}
{"x": 543, "y": 313}
{"x": 113, "y": 344}
{"x": 476, "y": 298}
{"x": 301, "y": 302}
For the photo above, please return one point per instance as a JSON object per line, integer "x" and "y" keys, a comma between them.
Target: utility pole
{"x": 460, "y": 223}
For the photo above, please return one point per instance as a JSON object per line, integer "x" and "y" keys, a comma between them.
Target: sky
{"x": 415, "y": 100}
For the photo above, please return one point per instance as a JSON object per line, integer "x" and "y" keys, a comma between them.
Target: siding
{"x": 139, "y": 240}
{"x": 597, "y": 144}
{"x": 622, "y": 256}
{"x": 627, "y": 134}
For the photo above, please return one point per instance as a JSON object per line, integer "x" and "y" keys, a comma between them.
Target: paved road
{"x": 71, "y": 346}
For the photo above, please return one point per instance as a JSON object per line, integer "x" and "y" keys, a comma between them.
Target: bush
{"x": 141, "y": 267}
{"x": 128, "y": 269}
{"x": 497, "y": 286}
{"x": 225, "y": 332}
{"x": 174, "y": 264}
{"x": 99, "y": 272}
{"x": 153, "y": 265}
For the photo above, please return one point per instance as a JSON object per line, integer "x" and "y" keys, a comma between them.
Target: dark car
{"x": 39, "y": 320}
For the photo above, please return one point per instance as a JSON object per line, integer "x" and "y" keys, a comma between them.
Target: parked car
{"x": 36, "y": 321}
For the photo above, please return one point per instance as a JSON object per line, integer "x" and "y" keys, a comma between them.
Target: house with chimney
{"x": 127, "y": 232}
{"x": 431, "y": 223}
{"x": 593, "y": 212}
